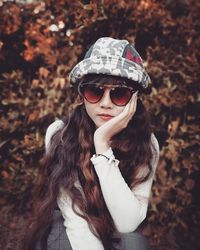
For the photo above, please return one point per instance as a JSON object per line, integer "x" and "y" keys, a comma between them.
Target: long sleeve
{"x": 127, "y": 207}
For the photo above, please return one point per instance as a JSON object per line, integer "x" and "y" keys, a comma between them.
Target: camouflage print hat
{"x": 112, "y": 57}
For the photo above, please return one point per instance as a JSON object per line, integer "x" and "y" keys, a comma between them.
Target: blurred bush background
{"x": 40, "y": 41}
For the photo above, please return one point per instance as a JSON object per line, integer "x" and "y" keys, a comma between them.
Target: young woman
{"x": 100, "y": 162}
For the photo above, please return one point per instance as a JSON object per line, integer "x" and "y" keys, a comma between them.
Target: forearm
{"x": 125, "y": 208}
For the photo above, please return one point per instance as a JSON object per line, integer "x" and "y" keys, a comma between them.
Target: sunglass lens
{"x": 92, "y": 94}
{"x": 121, "y": 96}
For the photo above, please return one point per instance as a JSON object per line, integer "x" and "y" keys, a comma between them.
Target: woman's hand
{"x": 104, "y": 133}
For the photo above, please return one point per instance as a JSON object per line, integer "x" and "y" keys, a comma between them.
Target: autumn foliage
{"x": 39, "y": 44}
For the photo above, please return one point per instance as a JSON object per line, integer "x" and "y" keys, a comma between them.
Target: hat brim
{"x": 116, "y": 66}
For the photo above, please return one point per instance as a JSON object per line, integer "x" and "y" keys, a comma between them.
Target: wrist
{"x": 101, "y": 147}
{"x": 101, "y": 142}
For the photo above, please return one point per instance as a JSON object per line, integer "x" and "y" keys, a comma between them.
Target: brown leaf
{"x": 189, "y": 184}
{"x": 43, "y": 72}
{"x": 172, "y": 127}
{"x": 33, "y": 116}
{"x": 5, "y": 174}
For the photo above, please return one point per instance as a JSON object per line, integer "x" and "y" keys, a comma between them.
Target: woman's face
{"x": 103, "y": 110}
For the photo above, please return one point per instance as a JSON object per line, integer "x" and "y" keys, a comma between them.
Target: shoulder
{"x": 154, "y": 143}
{"x": 51, "y": 130}
{"x": 155, "y": 150}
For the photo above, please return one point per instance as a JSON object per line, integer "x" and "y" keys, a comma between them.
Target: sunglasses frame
{"x": 81, "y": 91}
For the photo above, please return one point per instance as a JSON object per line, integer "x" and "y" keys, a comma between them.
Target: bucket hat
{"x": 115, "y": 57}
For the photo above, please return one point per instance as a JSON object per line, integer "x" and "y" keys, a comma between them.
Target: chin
{"x": 100, "y": 124}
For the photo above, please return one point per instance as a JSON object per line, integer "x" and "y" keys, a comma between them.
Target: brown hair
{"x": 68, "y": 158}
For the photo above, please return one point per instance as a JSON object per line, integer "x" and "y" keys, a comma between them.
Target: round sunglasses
{"x": 120, "y": 95}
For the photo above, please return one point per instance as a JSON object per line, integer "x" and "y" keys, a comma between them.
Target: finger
{"x": 126, "y": 114}
{"x": 128, "y": 110}
{"x": 133, "y": 102}
{"x": 132, "y": 107}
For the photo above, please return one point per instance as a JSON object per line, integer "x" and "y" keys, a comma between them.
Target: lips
{"x": 105, "y": 117}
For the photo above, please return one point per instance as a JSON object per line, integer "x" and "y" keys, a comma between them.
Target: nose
{"x": 105, "y": 101}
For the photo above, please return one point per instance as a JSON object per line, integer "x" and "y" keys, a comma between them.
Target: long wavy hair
{"x": 68, "y": 159}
